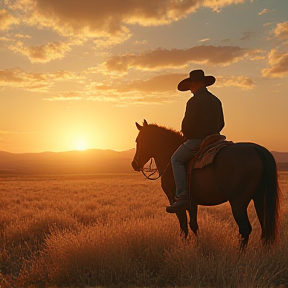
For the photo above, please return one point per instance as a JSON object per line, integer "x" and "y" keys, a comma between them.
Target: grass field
{"x": 112, "y": 230}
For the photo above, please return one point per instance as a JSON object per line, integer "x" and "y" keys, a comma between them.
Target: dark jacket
{"x": 203, "y": 116}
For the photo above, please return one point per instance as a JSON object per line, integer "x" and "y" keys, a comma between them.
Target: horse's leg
{"x": 241, "y": 218}
{"x": 193, "y": 218}
{"x": 168, "y": 186}
{"x": 182, "y": 217}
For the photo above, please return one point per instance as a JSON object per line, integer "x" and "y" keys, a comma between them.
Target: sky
{"x": 78, "y": 74}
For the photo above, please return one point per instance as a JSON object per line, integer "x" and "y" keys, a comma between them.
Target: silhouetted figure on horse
{"x": 219, "y": 171}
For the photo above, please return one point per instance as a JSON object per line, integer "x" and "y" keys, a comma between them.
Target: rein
{"x": 153, "y": 171}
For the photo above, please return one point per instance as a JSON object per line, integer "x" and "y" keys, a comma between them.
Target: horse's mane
{"x": 165, "y": 130}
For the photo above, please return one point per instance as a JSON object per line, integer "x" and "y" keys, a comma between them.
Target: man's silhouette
{"x": 203, "y": 117}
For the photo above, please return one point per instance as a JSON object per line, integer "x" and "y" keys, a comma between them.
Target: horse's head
{"x": 156, "y": 142}
{"x": 144, "y": 147}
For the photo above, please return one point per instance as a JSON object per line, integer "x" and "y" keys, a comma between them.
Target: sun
{"x": 80, "y": 144}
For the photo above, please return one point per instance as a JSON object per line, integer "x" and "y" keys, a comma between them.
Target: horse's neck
{"x": 163, "y": 156}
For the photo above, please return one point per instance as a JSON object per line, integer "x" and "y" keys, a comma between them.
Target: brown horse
{"x": 240, "y": 172}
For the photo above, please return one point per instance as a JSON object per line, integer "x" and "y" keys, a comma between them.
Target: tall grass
{"x": 112, "y": 230}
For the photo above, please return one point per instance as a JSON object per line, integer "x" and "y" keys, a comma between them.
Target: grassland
{"x": 112, "y": 230}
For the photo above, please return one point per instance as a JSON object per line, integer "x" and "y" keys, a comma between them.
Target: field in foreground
{"x": 112, "y": 230}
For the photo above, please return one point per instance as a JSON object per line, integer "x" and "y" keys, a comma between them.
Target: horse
{"x": 239, "y": 173}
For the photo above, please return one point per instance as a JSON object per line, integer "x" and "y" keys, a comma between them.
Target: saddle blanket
{"x": 206, "y": 156}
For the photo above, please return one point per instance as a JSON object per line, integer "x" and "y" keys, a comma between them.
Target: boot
{"x": 182, "y": 203}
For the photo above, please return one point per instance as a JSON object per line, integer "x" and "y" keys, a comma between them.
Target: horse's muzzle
{"x": 135, "y": 165}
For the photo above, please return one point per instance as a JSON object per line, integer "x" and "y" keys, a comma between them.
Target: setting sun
{"x": 80, "y": 144}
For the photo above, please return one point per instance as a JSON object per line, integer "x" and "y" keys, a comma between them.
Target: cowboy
{"x": 203, "y": 117}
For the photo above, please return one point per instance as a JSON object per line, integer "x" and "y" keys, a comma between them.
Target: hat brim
{"x": 184, "y": 85}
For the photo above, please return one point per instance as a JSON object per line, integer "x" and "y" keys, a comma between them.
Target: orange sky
{"x": 78, "y": 74}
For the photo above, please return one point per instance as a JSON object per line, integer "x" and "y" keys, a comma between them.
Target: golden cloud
{"x": 176, "y": 58}
{"x": 281, "y": 30}
{"x": 158, "y": 89}
{"x": 133, "y": 99}
{"x": 5, "y": 39}
{"x": 107, "y": 19}
{"x": 278, "y": 60}
{"x": 240, "y": 81}
{"x": 23, "y": 36}
{"x": 68, "y": 96}
{"x": 17, "y": 78}
{"x": 6, "y": 20}
{"x": 265, "y": 11}
{"x": 205, "y": 40}
{"x": 158, "y": 84}
{"x": 42, "y": 54}
{"x": 279, "y": 64}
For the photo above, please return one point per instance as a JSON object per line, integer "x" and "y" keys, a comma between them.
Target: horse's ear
{"x": 145, "y": 122}
{"x": 138, "y": 126}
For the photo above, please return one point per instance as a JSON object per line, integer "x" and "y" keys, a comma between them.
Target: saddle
{"x": 209, "y": 147}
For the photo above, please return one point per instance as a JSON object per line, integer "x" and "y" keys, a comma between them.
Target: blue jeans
{"x": 179, "y": 160}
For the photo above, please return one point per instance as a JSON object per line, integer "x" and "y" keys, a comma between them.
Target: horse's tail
{"x": 267, "y": 199}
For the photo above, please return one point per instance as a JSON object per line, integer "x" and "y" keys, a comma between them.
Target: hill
{"x": 280, "y": 157}
{"x": 89, "y": 161}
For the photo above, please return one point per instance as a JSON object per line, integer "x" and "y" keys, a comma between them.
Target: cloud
{"x": 5, "y": 39}
{"x": 157, "y": 84}
{"x": 265, "y": 11}
{"x": 240, "y": 81}
{"x": 137, "y": 42}
{"x": 225, "y": 40}
{"x": 278, "y": 58}
{"x": 68, "y": 96}
{"x": 156, "y": 90}
{"x": 279, "y": 64}
{"x": 162, "y": 58}
{"x": 281, "y": 30}
{"x": 42, "y": 54}
{"x": 17, "y": 78}
{"x": 6, "y": 20}
{"x": 247, "y": 35}
{"x": 23, "y": 36}
{"x": 61, "y": 76}
{"x": 205, "y": 40}
{"x": 267, "y": 24}
{"x": 160, "y": 89}
{"x": 133, "y": 99}
{"x": 107, "y": 19}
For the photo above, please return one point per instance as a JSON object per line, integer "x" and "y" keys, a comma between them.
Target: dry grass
{"x": 112, "y": 230}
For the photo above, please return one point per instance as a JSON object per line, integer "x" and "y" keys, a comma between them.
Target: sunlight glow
{"x": 80, "y": 144}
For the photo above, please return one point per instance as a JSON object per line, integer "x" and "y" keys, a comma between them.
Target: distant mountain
{"x": 88, "y": 161}
{"x": 280, "y": 157}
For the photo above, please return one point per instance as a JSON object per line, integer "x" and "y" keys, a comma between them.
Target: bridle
{"x": 152, "y": 171}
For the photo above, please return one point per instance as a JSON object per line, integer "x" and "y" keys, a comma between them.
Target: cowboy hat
{"x": 196, "y": 76}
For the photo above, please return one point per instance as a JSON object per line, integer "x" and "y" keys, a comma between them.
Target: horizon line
{"x": 64, "y": 151}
